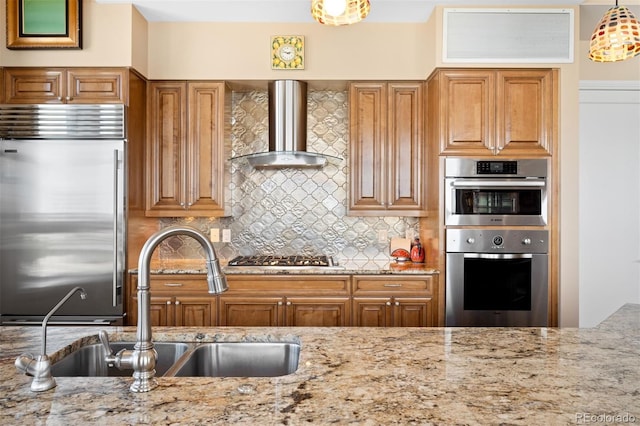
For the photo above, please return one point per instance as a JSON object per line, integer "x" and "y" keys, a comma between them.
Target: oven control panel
{"x": 497, "y": 167}
{"x": 497, "y": 241}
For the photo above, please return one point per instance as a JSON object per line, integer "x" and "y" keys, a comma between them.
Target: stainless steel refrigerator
{"x": 62, "y": 212}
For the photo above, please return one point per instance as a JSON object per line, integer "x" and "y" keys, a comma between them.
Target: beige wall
{"x": 139, "y": 43}
{"x": 238, "y": 51}
{"x": 106, "y": 40}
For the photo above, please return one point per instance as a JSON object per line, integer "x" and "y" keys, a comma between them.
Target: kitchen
{"x": 179, "y": 63}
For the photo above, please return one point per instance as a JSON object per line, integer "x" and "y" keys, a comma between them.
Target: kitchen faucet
{"x": 142, "y": 359}
{"x": 40, "y": 368}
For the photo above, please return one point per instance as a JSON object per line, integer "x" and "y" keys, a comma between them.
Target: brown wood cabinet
{"x": 65, "y": 85}
{"x": 296, "y": 300}
{"x": 387, "y": 149}
{"x": 394, "y": 301}
{"x": 176, "y": 300}
{"x": 486, "y": 112}
{"x": 292, "y": 300}
{"x": 186, "y": 155}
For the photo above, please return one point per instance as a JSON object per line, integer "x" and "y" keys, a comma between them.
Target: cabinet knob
{"x": 397, "y": 303}
{"x": 279, "y": 303}
{"x": 389, "y": 303}
{"x": 168, "y": 302}
{"x": 177, "y": 302}
{"x": 69, "y": 98}
{"x": 288, "y": 303}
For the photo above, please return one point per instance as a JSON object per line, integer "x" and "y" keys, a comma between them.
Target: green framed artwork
{"x": 44, "y": 24}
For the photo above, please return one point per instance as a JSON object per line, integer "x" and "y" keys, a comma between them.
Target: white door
{"x": 609, "y": 224}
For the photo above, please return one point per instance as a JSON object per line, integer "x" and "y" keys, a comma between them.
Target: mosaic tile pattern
{"x": 292, "y": 211}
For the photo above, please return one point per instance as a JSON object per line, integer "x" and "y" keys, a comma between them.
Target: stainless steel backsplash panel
{"x": 292, "y": 211}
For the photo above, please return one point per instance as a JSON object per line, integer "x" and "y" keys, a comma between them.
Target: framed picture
{"x": 44, "y": 24}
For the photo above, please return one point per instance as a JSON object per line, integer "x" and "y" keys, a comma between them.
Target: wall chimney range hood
{"x": 287, "y": 130}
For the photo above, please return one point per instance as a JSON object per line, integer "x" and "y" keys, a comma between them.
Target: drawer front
{"x": 295, "y": 284}
{"x": 387, "y": 284}
{"x": 179, "y": 283}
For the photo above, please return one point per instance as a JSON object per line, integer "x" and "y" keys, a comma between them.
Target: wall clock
{"x": 287, "y": 52}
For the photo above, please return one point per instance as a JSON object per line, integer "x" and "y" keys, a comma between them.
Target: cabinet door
{"x": 251, "y": 311}
{"x": 205, "y": 164}
{"x": 162, "y": 311}
{"x": 466, "y": 112}
{"x": 318, "y": 311}
{"x": 368, "y": 127}
{"x": 526, "y": 112}
{"x": 34, "y": 85}
{"x": 406, "y": 149}
{"x": 371, "y": 312}
{"x": 166, "y": 150}
{"x": 195, "y": 311}
{"x": 413, "y": 312}
{"x": 96, "y": 86}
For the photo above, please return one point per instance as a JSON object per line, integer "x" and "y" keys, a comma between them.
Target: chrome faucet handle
{"x": 110, "y": 357}
{"x": 104, "y": 339}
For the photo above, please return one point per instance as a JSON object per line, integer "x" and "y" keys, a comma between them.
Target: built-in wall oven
{"x": 496, "y": 192}
{"x": 496, "y": 277}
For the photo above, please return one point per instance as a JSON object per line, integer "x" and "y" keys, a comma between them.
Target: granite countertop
{"x": 350, "y": 267}
{"x": 519, "y": 376}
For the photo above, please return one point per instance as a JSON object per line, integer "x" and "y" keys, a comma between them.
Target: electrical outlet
{"x": 214, "y": 235}
{"x": 226, "y": 235}
{"x": 382, "y": 236}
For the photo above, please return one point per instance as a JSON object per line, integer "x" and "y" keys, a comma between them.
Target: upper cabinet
{"x": 387, "y": 149}
{"x": 186, "y": 158}
{"x": 65, "y": 85}
{"x": 485, "y": 112}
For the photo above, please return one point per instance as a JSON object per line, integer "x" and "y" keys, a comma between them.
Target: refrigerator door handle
{"x": 115, "y": 227}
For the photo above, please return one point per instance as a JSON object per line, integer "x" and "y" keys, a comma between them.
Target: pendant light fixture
{"x": 339, "y": 12}
{"x": 616, "y": 37}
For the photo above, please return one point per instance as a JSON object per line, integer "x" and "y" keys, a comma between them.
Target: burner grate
{"x": 282, "y": 261}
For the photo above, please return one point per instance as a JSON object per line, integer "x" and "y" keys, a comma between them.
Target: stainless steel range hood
{"x": 287, "y": 130}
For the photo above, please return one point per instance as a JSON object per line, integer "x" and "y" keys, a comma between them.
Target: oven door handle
{"x": 473, "y": 183}
{"x": 498, "y": 255}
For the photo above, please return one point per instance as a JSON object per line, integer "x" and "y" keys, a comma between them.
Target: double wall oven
{"x": 497, "y": 244}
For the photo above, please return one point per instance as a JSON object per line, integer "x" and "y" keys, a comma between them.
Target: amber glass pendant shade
{"x": 616, "y": 37}
{"x": 352, "y": 11}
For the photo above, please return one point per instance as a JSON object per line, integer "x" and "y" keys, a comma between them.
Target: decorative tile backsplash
{"x": 292, "y": 211}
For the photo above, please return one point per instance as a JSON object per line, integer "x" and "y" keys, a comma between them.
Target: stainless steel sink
{"x": 89, "y": 360}
{"x": 222, "y": 359}
{"x": 238, "y": 359}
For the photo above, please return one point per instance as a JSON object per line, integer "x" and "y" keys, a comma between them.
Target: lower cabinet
{"x": 176, "y": 300}
{"x": 384, "y": 301}
{"x": 300, "y": 300}
{"x": 291, "y": 300}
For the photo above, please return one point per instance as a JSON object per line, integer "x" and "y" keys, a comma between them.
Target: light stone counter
{"x": 351, "y": 267}
{"x": 520, "y": 376}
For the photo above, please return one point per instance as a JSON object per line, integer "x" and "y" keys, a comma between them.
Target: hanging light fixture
{"x": 616, "y": 37}
{"x": 339, "y": 12}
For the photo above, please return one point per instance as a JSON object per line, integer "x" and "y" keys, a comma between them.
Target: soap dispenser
{"x": 417, "y": 251}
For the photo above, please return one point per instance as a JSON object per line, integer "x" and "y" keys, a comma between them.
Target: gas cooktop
{"x": 270, "y": 261}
